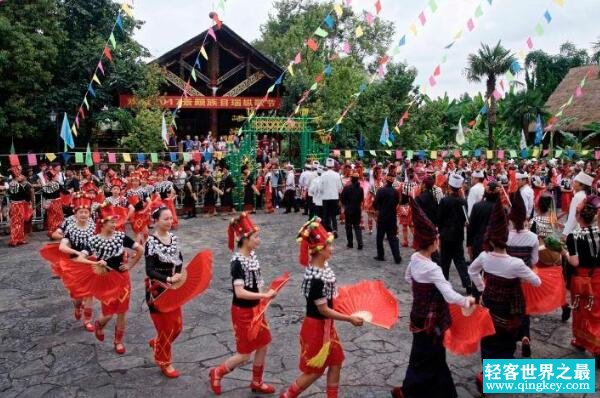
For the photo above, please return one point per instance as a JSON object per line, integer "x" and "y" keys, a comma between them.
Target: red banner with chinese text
{"x": 127, "y": 101}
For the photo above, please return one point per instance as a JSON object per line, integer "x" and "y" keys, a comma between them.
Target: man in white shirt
{"x": 331, "y": 186}
{"x": 526, "y": 192}
{"x": 580, "y": 181}
{"x": 314, "y": 192}
{"x": 303, "y": 182}
{"x": 477, "y": 190}
{"x": 289, "y": 196}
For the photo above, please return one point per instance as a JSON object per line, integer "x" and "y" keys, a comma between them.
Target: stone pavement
{"x": 44, "y": 352}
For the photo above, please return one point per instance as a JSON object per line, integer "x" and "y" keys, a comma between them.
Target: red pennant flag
{"x": 197, "y": 156}
{"x": 14, "y": 160}
{"x": 378, "y": 6}
{"x": 107, "y": 54}
{"x": 437, "y": 71}
{"x": 319, "y": 78}
{"x": 472, "y": 123}
{"x": 384, "y": 60}
{"x": 456, "y": 153}
{"x": 313, "y": 45}
{"x": 96, "y": 157}
{"x": 81, "y": 112}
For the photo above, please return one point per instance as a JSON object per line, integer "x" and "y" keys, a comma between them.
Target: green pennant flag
{"x": 154, "y": 158}
{"x": 321, "y": 32}
{"x": 113, "y": 41}
{"x": 88, "y": 156}
{"x": 85, "y": 101}
{"x": 558, "y": 152}
{"x": 78, "y": 157}
{"x": 433, "y": 6}
{"x": 539, "y": 29}
{"x": 12, "y": 148}
{"x": 513, "y": 153}
{"x": 194, "y": 74}
{"x": 186, "y": 156}
{"x": 478, "y": 11}
{"x": 409, "y": 154}
{"x": 465, "y": 152}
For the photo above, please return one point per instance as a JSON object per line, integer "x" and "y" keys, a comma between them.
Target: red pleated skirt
{"x": 241, "y": 319}
{"x": 312, "y": 339}
{"x": 119, "y": 305}
{"x": 586, "y": 309}
{"x": 565, "y": 201}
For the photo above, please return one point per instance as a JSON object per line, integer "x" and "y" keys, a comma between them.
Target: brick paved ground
{"x": 44, "y": 352}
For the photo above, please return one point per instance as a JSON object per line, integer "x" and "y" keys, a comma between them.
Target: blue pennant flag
{"x": 173, "y": 156}
{"x": 361, "y": 142}
{"x": 483, "y": 110}
{"x": 279, "y": 80}
{"x": 65, "y": 132}
{"x": 141, "y": 157}
{"x": 402, "y": 41}
{"x": 477, "y": 153}
{"x": 539, "y": 130}
{"x": 548, "y": 16}
{"x": 392, "y": 138}
{"x": 362, "y": 87}
{"x": 361, "y": 153}
{"x": 449, "y": 45}
{"x": 329, "y": 21}
{"x": 197, "y": 64}
{"x": 91, "y": 90}
{"x": 385, "y": 133}
{"x": 524, "y": 153}
{"x": 515, "y": 67}
{"x": 327, "y": 70}
{"x": 120, "y": 22}
{"x": 421, "y": 154}
{"x": 66, "y": 156}
{"x": 490, "y": 1}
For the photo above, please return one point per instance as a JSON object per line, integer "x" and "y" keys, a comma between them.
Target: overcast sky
{"x": 171, "y": 22}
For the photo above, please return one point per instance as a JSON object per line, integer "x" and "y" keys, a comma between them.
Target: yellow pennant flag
{"x": 126, "y": 157}
{"x": 290, "y": 69}
{"x": 433, "y": 155}
{"x": 458, "y": 35}
{"x": 585, "y": 152}
{"x": 560, "y": 2}
{"x": 50, "y": 156}
{"x": 179, "y": 103}
{"x": 347, "y": 154}
{"x": 339, "y": 121}
{"x": 413, "y": 29}
{"x": 95, "y": 78}
{"x": 127, "y": 10}
{"x": 535, "y": 152}
{"x": 74, "y": 130}
{"x": 338, "y": 10}
{"x": 489, "y": 154}
{"x": 358, "y": 32}
{"x": 372, "y": 152}
{"x": 203, "y": 52}
{"x": 388, "y": 152}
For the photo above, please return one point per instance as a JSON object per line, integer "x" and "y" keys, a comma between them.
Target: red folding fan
{"x": 369, "y": 300}
{"x": 51, "y": 254}
{"x": 196, "y": 278}
{"x": 466, "y": 331}
{"x": 277, "y": 285}
{"x": 82, "y": 280}
{"x": 547, "y": 297}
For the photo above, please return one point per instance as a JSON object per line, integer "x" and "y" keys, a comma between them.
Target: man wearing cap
{"x": 580, "y": 183}
{"x": 452, "y": 216}
{"x": 526, "y": 192}
{"x": 352, "y": 198}
{"x": 331, "y": 186}
{"x": 476, "y": 191}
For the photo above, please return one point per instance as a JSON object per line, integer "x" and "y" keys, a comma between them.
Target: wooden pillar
{"x": 213, "y": 75}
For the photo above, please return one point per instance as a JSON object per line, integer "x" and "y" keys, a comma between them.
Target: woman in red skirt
{"x": 247, "y": 281}
{"x": 52, "y": 202}
{"x": 138, "y": 198}
{"x": 566, "y": 191}
{"x": 163, "y": 266}
{"x": 320, "y": 346}
{"x": 20, "y": 194}
{"x": 109, "y": 248}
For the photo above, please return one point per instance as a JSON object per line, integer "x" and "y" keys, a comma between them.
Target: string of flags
{"x": 95, "y": 82}
{"x": 578, "y": 93}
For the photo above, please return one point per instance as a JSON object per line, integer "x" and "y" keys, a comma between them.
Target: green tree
{"x": 489, "y": 62}
{"x": 519, "y": 109}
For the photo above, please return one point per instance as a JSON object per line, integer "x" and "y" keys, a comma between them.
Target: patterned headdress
{"x": 89, "y": 186}
{"x": 116, "y": 182}
{"x": 425, "y": 233}
{"x": 313, "y": 238}
{"x": 81, "y": 201}
{"x": 497, "y": 230}
{"x": 106, "y": 212}
{"x": 240, "y": 227}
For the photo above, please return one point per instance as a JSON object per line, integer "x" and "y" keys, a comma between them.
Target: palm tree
{"x": 490, "y": 62}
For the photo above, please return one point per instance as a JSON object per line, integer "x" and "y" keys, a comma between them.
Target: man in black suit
{"x": 386, "y": 202}
{"x": 352, "y": 199}
{"x": 478, "y": 220}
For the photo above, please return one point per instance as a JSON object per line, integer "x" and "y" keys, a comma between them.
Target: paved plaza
{"x": 44, "y": 352}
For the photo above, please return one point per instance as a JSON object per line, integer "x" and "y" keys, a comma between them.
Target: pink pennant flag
{"x": 298, "y": 59}
{"x": 497, "y": 95}
{"x": 370, "y": 18}
{"x": 470, "y": 24}
{"x": 112, "y": 158}
{"x": 398, "y": 154}
{"x": 578, "y": 91}
{"x": 545, "y": 152}
{"x": 31, "y": 159}
{"x": 432, "y": 81}
{"x": 337, "y": 152}
{"x": 346, "y": 47}
{"x": 381, "y": 71}
{"x": 211, "y": 33}
{"x": 77, "y": 120}
{"x": 529, "y": 43}
{"x": 502, "y": 85}
{"x": 101, "y": 67}
{"x": 422, "y": 18}
{"x": 378, "y": 6}
{"x": 437, "y": 71}
{"x": 457, "y": 153}
{"x": 500, "y": 154}
{"x": 597, "y": 155}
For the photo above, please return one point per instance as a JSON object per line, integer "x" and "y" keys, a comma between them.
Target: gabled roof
{"x": 225, "y": 34}
{"x": 584, "y": 109}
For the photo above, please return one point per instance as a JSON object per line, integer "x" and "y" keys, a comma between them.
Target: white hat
{"x": 521, "y": 176}
{"x": 477, "y": 174}
{"x": 580, "y": 162}
{"x": 329, "y": 162}
{"x": 534, "y": 160}
{"x": 319, "y": 169}
{"x": 307, "y": 166}
{"x": 455, "y": 181}
{"x": 315, "y": 163}
{"x": 511, "y": 161}
{"x": 584, "y": 178}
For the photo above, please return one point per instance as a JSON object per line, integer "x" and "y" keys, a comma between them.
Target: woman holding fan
{"x": 428, "y": 374}
{"x": 247, "y": 280}
{"x": 109, "y": 248}
{"x": 320, "y": 347}
{"x": 163, "y": 266}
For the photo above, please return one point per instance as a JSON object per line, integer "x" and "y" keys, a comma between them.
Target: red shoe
{"x": 262, "y": 388}
{"x": 215, "y": 381}
{"x": 89, "y": 326}
{"x": 151, "y": 343}
{"x": 172, "y": 374}
{"x": 98, "y": 331}
{"x": 397, "y": 392}
{"x": 77, "y": 312}
{"x": 119, "y": 348}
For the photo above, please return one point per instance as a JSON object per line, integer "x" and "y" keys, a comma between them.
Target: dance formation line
{"x": 523, "y": 272}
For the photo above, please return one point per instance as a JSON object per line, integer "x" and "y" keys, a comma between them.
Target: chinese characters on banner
{"x": 127, "y": 101}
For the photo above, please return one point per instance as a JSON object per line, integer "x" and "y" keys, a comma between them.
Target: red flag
{"x": 107, "y": 54}
{"x": 14, "y": 160}
{"x": 96, "y": 157}
{"x": 437, "y": 71}
{"x": 81, "y": 112}
{"x": 313, "y": 45}
{"x": 319, "y": 78}
{"x": 378, "y": 6}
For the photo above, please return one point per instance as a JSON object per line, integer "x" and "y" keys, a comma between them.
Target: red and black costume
{"x": 20, "y": 212}
{"x": 54, "y": 212}
{"x": 165, "y": 189}
{"x": 136, "y": 197}
{"x": 162, "y": 261}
